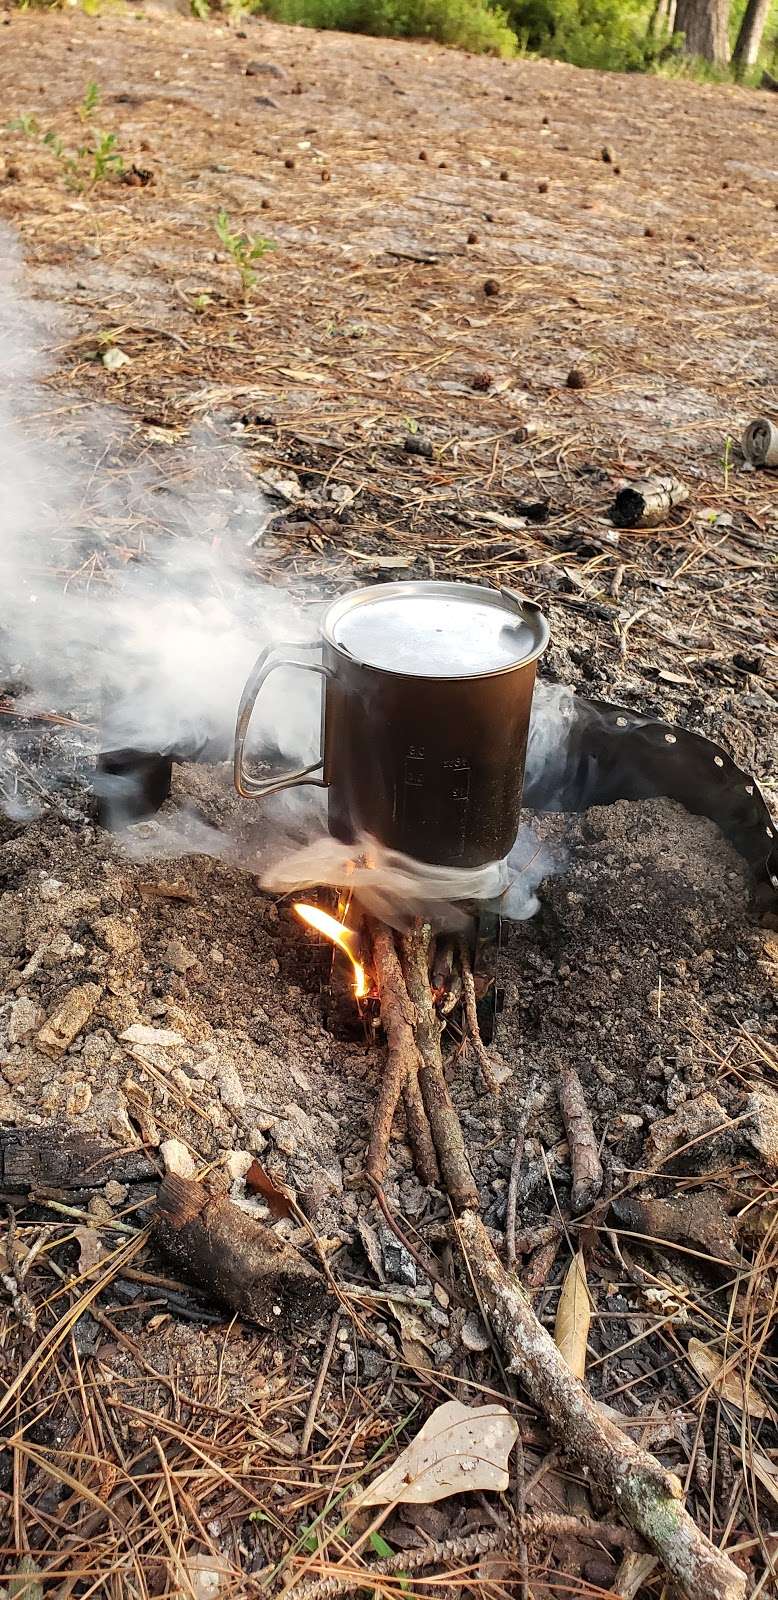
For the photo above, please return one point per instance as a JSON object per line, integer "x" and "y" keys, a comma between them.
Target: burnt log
{"x": 229, "y": 1256}
{"x": 648, "y": 504}
{"x": 46, "y": 1158}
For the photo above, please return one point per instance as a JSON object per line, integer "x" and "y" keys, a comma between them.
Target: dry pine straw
{"x": 123, "y": 1460}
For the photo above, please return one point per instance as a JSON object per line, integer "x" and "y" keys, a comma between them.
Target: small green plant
{"x": 200, "y": 9}
{"x": 245, "y": 249}
{"x": 93, "y": 161}
{"x": 90, "y": 101}
{"x": 25, "y": 124}
{"x": 105, "y": 158}
{"x": 727, "y": 461}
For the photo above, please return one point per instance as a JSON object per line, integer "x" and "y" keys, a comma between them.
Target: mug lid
{"x": 437, "y": 629}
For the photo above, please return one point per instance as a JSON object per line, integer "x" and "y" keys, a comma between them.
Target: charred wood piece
{"x": 648, "y": 504}
{"x": 49, "y": 1158}
{"x": 232, "y": 1257}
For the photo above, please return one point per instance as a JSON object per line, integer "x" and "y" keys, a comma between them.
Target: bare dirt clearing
{"x": 148, "y": 1446}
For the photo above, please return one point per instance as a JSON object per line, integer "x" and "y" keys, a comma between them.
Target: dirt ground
{"x": 150, "y": 1446}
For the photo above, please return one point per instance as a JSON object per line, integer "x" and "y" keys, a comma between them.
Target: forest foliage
{"x": 610, "y": 35}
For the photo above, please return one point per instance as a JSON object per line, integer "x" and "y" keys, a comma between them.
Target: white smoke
{"x": 395, "y": 888}
{"x": 125, "y": 591}
{"x": 128, "y": 601}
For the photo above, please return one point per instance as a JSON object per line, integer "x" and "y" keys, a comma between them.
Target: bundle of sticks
{"x": 413, "y": 1026}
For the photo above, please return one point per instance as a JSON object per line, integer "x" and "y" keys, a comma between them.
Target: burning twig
{"x": 471, "y": 1017}
{"x": 581, "y": 1137}
{"x": 646, "y": 1493}
{"x": 443, "y": 1120}
{"x": 402, "y": 1068}
{"x": 234, "y": 1257}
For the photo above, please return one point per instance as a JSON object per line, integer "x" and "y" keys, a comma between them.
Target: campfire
{"x": 427, "y": 698}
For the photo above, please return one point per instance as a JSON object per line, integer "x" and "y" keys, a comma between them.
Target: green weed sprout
{"x": 244, "y": 248}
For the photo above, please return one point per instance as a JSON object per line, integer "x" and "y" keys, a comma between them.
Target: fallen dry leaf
{"x": 415, "y": 1337}
{"x": 258, "y": 1181}
{"x": 90, "y": 1250}
{"x": 764, "y": 1469}
{"x": 709, "y": 1364}
{"x": 459, "y": 1447}
{"x": 571, "y": 1329}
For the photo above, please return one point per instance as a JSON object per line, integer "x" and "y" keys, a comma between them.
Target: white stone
{"x": 178, "y": 1158}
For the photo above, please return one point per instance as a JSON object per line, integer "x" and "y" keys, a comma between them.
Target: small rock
{"x": 576, "y": 379}
{"x": 178, "y": 1158}
{"x": 606, "y": 155}
{"x": 474, "y": 1333}
{"x": 491, "y": 287}
{"x": 99, "y": 1208}
{"x": 264, "y": 1122}
{"x": 257, "y": 1140}
{"x": 472, "y": 237}
{"x": 263, "y": 69}
{"x": 69, "y": 1018}
{"x": 237, "y": 1163}
{"x": 763, "y": 1132}
{"x": 399, "y": 1266}
{"x": 140, "y": 1033}
{"x": 176, "y": 956}
{"x": 414, "y": 446}
{"x": 118, "y": 935}
{"x": 50, "y": 890}
{"x": 110, "y": 1112}
{"x": 115, "y": 1193}
{"x": 230, "y": 1087}
{"x": 78, "y": 1098}
{"x": 23, "y": 1020}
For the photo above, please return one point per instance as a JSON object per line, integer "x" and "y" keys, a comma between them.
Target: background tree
{"x": 705, "y": 27}
{"x": 749, "y": 37}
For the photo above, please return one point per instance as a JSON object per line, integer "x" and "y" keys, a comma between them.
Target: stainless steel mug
{"x": 426, "y": 708}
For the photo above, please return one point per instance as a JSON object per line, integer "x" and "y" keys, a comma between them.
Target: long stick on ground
{"x": 443, "y": 1119}
{"x": 648, "y": 1496}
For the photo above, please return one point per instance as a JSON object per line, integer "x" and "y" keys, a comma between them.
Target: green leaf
{"x": 380, "y": 1546}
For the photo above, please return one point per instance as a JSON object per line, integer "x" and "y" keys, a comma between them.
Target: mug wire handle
{"x": 271, "y": 658}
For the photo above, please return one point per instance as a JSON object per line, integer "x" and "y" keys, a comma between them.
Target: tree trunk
{"x": 749, "y": 37}
{"x": 704, "y": 24}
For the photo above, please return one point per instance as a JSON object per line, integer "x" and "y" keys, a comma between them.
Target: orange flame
{"x": 340, "y": 935}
